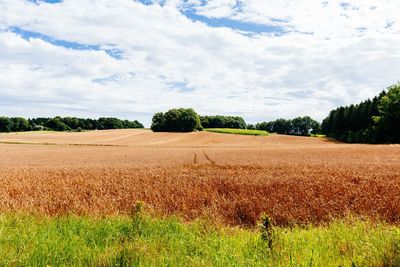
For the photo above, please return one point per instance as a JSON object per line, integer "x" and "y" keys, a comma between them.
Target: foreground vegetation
{"x": 237, "y": 131}
{"x": 140, "y": 240}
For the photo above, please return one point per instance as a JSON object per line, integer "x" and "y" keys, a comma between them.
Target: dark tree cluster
{"x": 304, "y": 126}
{"x": 176, "y": 120}
{"x": 218, "y": 121}
{"x": 371, "y": 121}
{"x": 64, "y": 124}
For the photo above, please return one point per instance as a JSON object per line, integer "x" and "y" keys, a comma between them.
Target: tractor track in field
{"x": 208, "y": 158}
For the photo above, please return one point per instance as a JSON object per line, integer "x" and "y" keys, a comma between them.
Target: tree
{"x": 20, "y": 125}
{"x": 219, "y": 121}
{"x": 176, "y": 120}
{"x": 111, "y": 123}
{"x": 371, "y": 121}
{"x": 72, "y": 123}
{"x": 304, "y": 126}
{"x": 56, "y": 124}
{"x": 68, "y": 123}
{"x": 389, "y": 119}
{"x": 6, "y": 124}
{"x": 189, "y": 120}
{"x": 251, "y": 126}
{"x": 158, "y": 122}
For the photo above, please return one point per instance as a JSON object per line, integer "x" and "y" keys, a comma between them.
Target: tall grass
{"x": 139, "y": 240}
{"x": 237, "y": 131}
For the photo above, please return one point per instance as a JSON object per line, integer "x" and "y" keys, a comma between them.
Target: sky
{"x": 259, "y": 59}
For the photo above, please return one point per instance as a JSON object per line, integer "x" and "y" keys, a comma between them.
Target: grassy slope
{"x": 237, "y": 131}
{"x": 144, "y": 241}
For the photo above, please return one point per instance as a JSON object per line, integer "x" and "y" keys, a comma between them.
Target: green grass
{"x": 237, "y": 131}
{"x": 318, "y": 135}
{"x": 140, "y": 240}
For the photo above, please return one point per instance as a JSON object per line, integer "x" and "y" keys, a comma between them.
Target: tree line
{"x": 218, "y": 121}
{"x": 304, "y": 126}
{"x": 187, "y": 120}
{"x": 371, "y": 121}
{"x": 18, "y": 124}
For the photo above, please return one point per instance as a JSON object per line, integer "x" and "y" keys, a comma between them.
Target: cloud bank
{"x": 258, "y": 59}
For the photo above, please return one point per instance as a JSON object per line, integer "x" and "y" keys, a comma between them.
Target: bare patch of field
{"x": 230, "y": 178}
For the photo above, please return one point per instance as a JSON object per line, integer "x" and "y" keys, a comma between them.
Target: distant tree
{"x": 297, "y": 126}
{"x": 262, "y": 126}
{"x": 158, "y": 122}
{"x": 56, "y": 124}
{"x": 111, "y": 123}
{"x": 176, "y": 120}
{"x": 251, "y": 126}
{"x": 388, "y": 122}
{"x": 281, "y": 126}
{"x": 338, "y": 123}
{"x": 6, "y": 124}
{"x": 20, "y": 125}
{"x": 72, "y": 123}
{"x": 219, "y": 121}
{"x": 67, "y": 123}
{"x": 371, "y": 121}
{"x": 189, "y": 120}
{"x": 304, "y": 126}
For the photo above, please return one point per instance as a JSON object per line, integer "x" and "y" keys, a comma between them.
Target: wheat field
{"x": 227, "y": 178}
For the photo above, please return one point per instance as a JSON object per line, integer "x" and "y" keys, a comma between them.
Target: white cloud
{"x": 260, "y": 76}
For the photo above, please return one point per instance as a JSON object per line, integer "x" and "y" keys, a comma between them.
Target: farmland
{"x": 224, "y": 180}
{"x": 231, "y": 178}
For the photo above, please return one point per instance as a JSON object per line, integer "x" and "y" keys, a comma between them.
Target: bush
{"x": 176, "y": 120}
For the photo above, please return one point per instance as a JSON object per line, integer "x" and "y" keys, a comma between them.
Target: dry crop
{"x": 227, "y": 178}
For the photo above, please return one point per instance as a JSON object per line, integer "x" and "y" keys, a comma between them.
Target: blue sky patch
{"x": 225, "y": 22}
{"x": 182, "y": 87}
{"x": 234, "y": 24}
{"x": 112, "y": 51}
{"x": 46, "y": 1}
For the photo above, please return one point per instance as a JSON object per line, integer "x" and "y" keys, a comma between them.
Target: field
{"x": 305, "y": 185}
{"x": 237, "y": 131}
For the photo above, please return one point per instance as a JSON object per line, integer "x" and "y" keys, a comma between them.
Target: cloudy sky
{"x": 260, "y": 59}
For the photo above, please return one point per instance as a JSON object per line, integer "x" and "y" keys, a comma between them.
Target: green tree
{"x": 20, "y": 124}
{"x": 158, "y": 122}
{"x": 389, "y": 119}
{"x": 56, "y": 124}
{"x": 6, "y": 124}
{"x": 176, "y": 120}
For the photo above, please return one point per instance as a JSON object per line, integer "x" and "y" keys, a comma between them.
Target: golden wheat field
{"x": 228, "y": 178}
